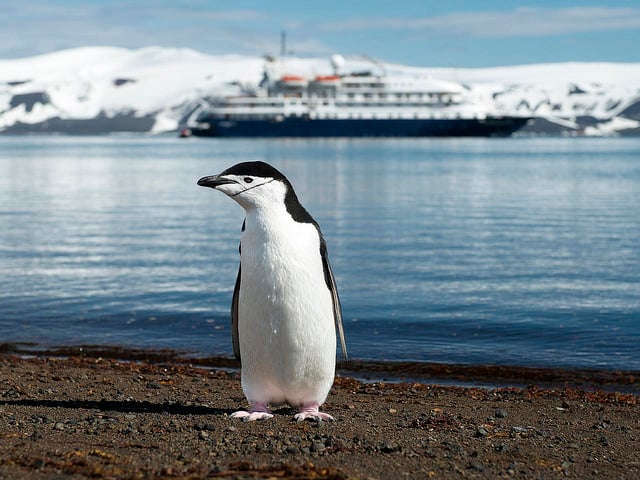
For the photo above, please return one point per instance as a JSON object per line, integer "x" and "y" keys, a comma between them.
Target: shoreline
{"x": 390, "y": 371}
{"x": 80, "y": 417}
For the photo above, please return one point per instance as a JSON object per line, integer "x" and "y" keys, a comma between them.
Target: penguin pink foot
{"x": 312, "y": 412}
{"x": 259, "y": 411}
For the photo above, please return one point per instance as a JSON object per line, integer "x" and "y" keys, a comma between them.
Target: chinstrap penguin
{"x": 285, "y": 309}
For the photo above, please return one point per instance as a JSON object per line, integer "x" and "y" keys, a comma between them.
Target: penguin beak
{"x": 214, "y": 181}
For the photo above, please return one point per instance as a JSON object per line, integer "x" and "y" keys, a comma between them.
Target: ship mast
{"x": 283, "y": 43}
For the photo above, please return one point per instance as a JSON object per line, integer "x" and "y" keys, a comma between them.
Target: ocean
{"x": 516, "y": 251}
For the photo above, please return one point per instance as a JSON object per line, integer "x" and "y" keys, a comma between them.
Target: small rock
{"x": 203, "y": 435}
{"x": 154, "y": 385}
{"x": 500, "y": 447}
{"x": 59, "y": 426}
{"x": 604, "y": 440}
{"x": 317, "y": 446}
{"x": 390, "y": 447}
{"x": 477, "y": 466}
{"x": 500, "y": 413}
{"x": 481, "y": 432}
{"x": 291, "y": 449}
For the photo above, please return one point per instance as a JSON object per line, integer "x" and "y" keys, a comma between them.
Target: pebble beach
{"x": 91, "y": 417}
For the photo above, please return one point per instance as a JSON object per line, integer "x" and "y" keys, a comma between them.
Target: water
{"x": 477, "y": 251}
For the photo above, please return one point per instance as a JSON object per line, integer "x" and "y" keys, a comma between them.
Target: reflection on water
{"x": 511, "y": 251}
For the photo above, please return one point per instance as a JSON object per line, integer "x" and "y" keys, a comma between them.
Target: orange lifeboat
{"x": 328, "y": 78}
{"x": 293, "y": 81}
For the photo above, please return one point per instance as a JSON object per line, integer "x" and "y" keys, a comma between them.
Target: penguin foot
{"x": 312, "y": 412}
{"x": 259, "y": 411}
{"x": 251, "y": 416}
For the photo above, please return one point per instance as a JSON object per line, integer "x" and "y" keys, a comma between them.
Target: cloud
{"x": 521, "y": 22}
{"x": 41, "y": 26}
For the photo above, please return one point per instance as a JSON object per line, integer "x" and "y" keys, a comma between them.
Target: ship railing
{"x": 396, "y": 116}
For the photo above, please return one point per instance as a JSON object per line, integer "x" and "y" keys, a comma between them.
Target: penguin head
{"x": 251, "y": 184}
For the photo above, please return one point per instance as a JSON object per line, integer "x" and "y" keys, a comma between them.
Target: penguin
{"x": 285, "y": 309}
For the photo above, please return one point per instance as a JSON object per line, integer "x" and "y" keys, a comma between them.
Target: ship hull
{"x": 305, "y": 127}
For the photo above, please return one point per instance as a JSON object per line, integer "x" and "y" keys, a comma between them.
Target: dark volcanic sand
{"x": 94, "y": 418}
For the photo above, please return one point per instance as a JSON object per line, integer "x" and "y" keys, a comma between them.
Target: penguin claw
{"x": 251, "y": 416}
{"x": 259, "y": 411}
{"x": 312, "y": 412}
{"x": 316, "y": 417}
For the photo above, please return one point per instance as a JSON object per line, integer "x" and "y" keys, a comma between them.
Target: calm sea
{"x": 477, "y": 251}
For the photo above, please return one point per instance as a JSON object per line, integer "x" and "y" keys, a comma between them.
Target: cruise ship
{"x": 367, "y": 103}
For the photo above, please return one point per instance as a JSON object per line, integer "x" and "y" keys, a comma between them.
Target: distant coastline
{"x": 101, "y": 90}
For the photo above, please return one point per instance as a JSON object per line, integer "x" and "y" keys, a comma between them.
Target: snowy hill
{"x": 104, "y": 89}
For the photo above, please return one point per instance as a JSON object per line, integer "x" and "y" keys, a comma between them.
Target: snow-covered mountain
{"x": 104, "y": 89}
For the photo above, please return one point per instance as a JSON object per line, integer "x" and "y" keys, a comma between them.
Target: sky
{"x": 453, "y": 33}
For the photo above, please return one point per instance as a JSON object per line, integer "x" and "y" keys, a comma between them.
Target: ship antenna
{"x": 377, "y": 63}
{"x": 283, "y": 43}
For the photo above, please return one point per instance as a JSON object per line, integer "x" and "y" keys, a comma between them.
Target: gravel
{"x": 109, "y": 419}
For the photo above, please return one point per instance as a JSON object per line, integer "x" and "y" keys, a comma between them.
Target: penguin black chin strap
{"x": 250, "y": 188}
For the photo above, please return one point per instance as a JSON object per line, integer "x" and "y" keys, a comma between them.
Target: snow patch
{"x": 169, "y": 83}
{"x": 611, "y": 127}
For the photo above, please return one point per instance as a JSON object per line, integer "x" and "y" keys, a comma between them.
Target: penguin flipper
{"x": 337, "y": 307}
{"x": 234, "y": 318}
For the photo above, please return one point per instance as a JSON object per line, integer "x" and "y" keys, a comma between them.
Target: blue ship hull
{"x": 305, "y": 127}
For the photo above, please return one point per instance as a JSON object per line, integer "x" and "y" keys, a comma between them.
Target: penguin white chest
{"x": 285, "y": 313}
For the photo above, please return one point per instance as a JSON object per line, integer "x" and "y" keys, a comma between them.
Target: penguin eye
{"x": 247, "y": 179}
